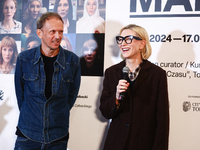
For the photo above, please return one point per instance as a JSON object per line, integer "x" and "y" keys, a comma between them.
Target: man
{"x": 47, "y": 81}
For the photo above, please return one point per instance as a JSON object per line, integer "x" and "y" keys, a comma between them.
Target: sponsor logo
{"x": 186, "y": 106}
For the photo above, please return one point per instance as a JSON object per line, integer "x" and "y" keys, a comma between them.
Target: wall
{"x": 173, "y": 28}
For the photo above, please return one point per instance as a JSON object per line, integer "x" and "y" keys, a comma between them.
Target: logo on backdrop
{"x": 147, "y": 8}
{"x": 194, "y": 106}
{"x": 186, "y": 106}
{"x": 1, "y": 95}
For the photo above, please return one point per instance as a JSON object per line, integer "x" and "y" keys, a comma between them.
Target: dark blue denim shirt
{"x": 40, "y": 119}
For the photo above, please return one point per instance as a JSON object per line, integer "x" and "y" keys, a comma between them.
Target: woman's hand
{"x": 121, "y": 87}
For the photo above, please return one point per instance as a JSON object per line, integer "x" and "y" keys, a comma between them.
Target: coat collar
{"x": 145, "y": 66}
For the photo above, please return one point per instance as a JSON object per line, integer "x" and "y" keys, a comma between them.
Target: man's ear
{"x": 39, "y": 33}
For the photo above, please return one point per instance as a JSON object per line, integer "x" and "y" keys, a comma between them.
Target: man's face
{"x": 51, "y": 34}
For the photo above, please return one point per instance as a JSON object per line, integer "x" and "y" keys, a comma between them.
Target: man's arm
{"x": 19, "y": 82}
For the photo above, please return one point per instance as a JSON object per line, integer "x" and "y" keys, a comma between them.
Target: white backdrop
{"x": 175, "y": 42}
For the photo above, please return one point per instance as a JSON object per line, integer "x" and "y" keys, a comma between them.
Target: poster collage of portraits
{"x": 84, "y": 30}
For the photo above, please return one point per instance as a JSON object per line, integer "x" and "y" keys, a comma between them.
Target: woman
{"x": 30, "y": 16}
{"x": 10, "y": 25}
{"x": 91, "y": 64}
{"x": 140, "y": 116}
{"x": 8, "y": 55}
{"x": 91, "y": 22}
{"x": 64, "y": 9}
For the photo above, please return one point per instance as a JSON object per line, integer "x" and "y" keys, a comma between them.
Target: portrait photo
{"x": 10, "y": 17}
{"x": 90, "y": 49}
{"x": 10, "y": 46}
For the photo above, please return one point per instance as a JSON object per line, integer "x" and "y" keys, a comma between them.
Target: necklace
{"x": 6, "y": 71}
{"x": 133, "y": 75}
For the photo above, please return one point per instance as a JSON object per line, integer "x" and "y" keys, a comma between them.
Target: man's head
{"x": 47, "y": 16}
{"x": 50, "y": 30}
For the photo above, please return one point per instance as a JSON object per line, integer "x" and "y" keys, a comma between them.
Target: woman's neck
{"x": 133, "y": 63}
{"x": 6, "y": 68}
{"x": 89, "y": 64}
{"x": 5, "y": 65}
{"x": 8, "y": 23}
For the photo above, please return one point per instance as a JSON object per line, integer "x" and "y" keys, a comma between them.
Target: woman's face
{"x": 91, "y": 7}
{"x": 9, "y": 9}
{"x": 132, "y": 50}
{"x": 89, "y": 54}
{"x": 7, "y": 53}
{"x": 34, "y": 9}
{"x": 63, "y": 7}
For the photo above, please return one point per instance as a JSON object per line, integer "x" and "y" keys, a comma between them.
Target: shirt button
{"x": 54, "y": 81}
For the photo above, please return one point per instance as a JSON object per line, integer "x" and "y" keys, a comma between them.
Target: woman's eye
{"x": 10, "y": 50}
{"x": 31, "y": 6}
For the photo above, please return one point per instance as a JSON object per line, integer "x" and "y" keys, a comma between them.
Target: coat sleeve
{"x": 19, "y": 82}
{"x": 108, "y": 106}
{"x": 162, "y": 130}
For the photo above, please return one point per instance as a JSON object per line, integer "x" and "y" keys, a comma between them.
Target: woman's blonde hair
{"x": 141, "y": 33}
{"x": 10, "y": 42}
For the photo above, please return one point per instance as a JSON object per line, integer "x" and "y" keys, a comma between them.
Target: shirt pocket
{"x": 65, "y": 83}
{"x": 31, "y": 83}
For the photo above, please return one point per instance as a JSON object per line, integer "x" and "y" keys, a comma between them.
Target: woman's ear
{"x": 142, "y": 44}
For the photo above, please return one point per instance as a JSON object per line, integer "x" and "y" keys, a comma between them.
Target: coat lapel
{"x": 145, "y": 66}
{"x": 119, "y": 69}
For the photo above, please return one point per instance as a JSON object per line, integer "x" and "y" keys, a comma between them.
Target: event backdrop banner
{"x": 173, "y": 28}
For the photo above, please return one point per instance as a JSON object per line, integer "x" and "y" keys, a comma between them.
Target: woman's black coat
{"x": 143, "y": 114}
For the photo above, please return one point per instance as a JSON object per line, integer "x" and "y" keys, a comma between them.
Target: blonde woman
{"x": 9, "y": 25}
{"x": 140, "y": 116}
{"x": 8, "y": 55}
{"x": 30, "y": 16}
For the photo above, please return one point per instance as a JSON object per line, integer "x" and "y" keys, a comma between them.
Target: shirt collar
{"x": 60, "y": 59}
